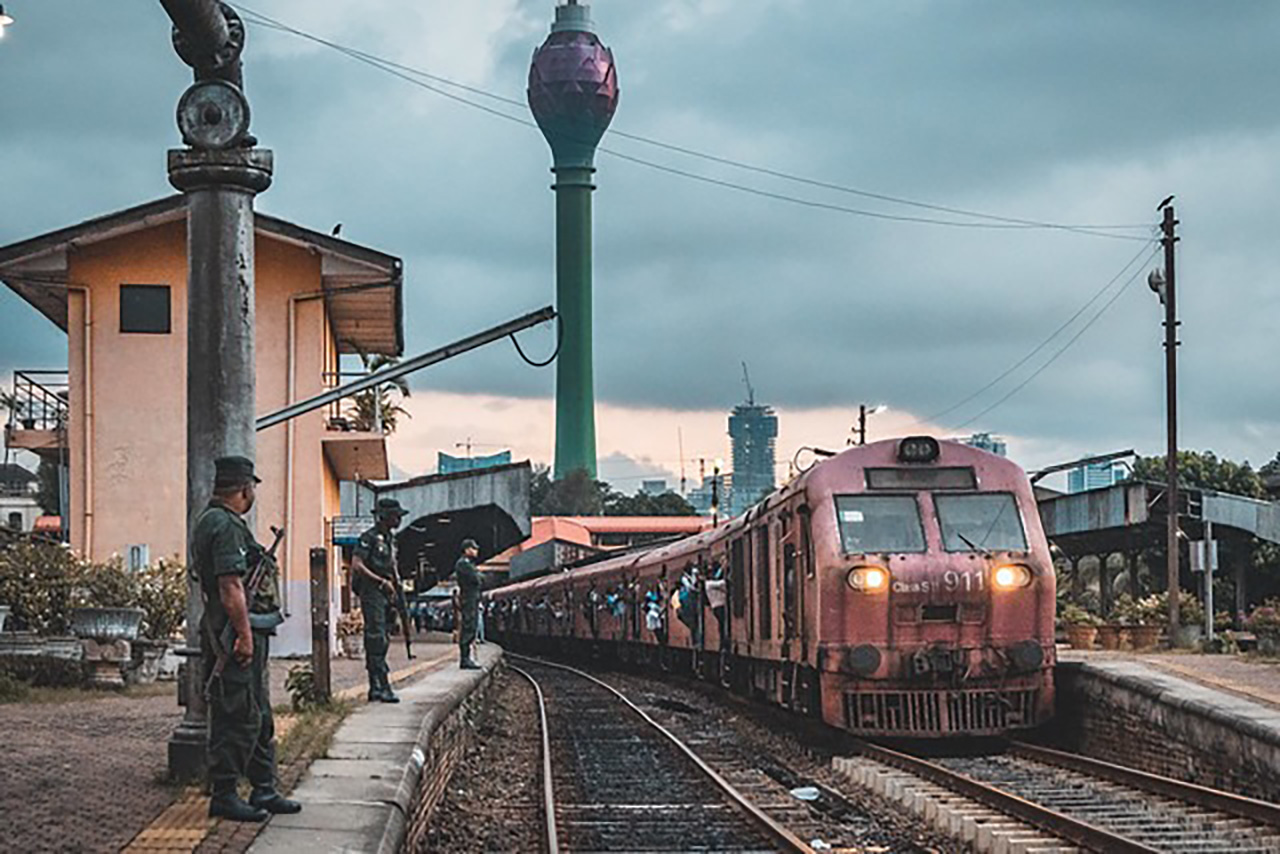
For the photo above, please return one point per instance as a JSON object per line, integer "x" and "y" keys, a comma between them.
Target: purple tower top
{"x": 573, "y": 87}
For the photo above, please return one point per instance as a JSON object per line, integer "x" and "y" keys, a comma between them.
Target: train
{"x": 902, "y": 588}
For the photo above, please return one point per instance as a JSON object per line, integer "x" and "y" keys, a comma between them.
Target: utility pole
{"x": 862, "y": 424}
{"x": 1167, "y": 226}
{"x": 220, "y": 171}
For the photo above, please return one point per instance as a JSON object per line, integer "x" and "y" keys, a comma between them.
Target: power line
{"x": 1070, "y": 320}
{"x": 993, "y": 221}
{"x": 1063, "y": 348}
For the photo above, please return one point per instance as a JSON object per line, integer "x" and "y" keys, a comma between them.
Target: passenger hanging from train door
{"x": 718, "y": 600}
{"x": 689, "y": 603}
{"x": 655, "y": 613}
{"x": 591, "y": 607}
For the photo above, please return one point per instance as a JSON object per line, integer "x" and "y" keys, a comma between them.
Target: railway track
{"x": 616, "y": 780}
{"x": 1029, "y": 798}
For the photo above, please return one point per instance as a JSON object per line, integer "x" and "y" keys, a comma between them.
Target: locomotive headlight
{"x": 1011, "y": 577}
{"x": 869, "y": 579}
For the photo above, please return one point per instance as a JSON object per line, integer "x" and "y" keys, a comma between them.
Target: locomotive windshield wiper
{"x": 970, "y": 543}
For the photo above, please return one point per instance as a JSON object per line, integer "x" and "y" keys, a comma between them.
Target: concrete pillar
{"x": 220, "y": 187}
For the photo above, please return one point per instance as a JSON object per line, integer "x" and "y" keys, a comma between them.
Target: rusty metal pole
{"x": 320, "y": 624}
{"x": 220, "y": 173}
{"x": 1171, "y": 413}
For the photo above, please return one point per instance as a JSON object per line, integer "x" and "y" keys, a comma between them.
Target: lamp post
{"x": 861, "y": 429}
{"x": 1163, "y": 285}
{"x": 715, "y": 493}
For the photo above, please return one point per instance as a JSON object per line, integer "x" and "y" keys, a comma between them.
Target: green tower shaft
{"x": 575, "y": 381}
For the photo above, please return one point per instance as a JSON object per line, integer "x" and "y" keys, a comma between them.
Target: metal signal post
{"x": 1167, "y": 226}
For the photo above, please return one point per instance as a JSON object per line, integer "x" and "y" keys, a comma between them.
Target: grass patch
{"x": 311, "y": 732}
{"x": 50, "y": 695}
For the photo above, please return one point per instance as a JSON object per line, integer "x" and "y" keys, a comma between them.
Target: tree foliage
{"x": 48, "y": 493}
{"x": 384, "y": 400}
{"x": 579, "y": 495}
{"x": 1204, "y": 470}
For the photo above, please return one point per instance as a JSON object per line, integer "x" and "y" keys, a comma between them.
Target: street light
{"x": 5, "y": 20}
{"x": 861, "y": 429}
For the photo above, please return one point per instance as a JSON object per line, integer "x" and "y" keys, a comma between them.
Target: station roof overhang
{"x": 363, "y": 288}
{"x": 1132, "y": 514}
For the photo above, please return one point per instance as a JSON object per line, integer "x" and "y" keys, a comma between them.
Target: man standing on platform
{"x": 224, "y": 554}
{"x": 373, "y": 579}
{"x": 468, "y": 601}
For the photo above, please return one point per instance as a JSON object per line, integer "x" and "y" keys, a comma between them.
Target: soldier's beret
{"x": 469, "y": 543}
{"x": 233, "y": 471}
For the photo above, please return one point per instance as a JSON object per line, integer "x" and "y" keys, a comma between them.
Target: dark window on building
{"x": 15, "y": 521}
{"x": 145, "y": 309}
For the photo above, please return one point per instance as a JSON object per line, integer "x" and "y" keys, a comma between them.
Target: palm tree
{"x": 379, "y": 407}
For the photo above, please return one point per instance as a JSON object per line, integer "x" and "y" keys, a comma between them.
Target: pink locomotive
{"x": 904, "y": 588}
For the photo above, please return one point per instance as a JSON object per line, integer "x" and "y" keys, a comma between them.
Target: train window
{"x": 737, "y": 579}
{"x": 763, "y": 586}
{"x": 879, "y": 523}
{"x": 939, "y": 478}
{"x": 984, "y": 521}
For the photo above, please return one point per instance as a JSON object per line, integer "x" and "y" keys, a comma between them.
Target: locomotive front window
{"x": 984, "y": 522}
{"x": 879, "y": 523}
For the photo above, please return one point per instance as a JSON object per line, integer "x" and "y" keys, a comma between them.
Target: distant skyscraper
{"x": 753, "y": 431}
{"x": 1094, "y": 476}
{"x": 653, "y": 487}
{"x": 987, "y": 442}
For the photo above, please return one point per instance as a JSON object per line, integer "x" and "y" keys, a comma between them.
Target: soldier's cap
{"x": 469, "y": 543}
{"x": 387, "y": 506}
{"x": 233, "y": 471}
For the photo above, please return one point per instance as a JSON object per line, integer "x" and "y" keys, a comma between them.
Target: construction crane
{"x": 746, "y": 379}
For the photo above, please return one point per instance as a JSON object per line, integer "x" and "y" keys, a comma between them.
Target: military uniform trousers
{"x": 470, "y": 613}
{"x": 374, "y": 605}
{"x": 241, "y": 730}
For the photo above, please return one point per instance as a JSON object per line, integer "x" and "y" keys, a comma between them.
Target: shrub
{"x": 1264, "y": 618}
{"x": 37, "y": 581}
{"x": 301, "y": 685}
{"x": 1074, "y": 615}
{"x": 12, "y": 690}
{"x": 104, "y": 585}
{"x": 162, "y": 593}
{"x": 42, "y": 671}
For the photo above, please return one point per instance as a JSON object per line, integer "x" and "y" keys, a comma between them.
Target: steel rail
{"x": 1064, "y": 827}
{"x": 1201, "y": 796}
{"x": 785, "y": 839}
{"x": 548, "y": 785}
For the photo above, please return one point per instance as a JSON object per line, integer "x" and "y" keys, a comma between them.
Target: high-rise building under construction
{"x": 753, "y": 431}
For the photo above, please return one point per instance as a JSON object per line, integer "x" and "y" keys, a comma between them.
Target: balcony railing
{"x": 39, "y": 400}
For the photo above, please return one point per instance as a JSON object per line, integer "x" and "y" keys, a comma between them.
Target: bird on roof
{"x": 337, "y": 229}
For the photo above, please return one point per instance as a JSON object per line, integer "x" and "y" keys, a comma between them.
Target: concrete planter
{"x": 1188, "y": 637}
{"x": 106, "y": 624}
{"x": 145, "y": 661}
{"x": 1081, "y": 637}
{"x": 1109, "y": 637}
{"x": 352, "y": 645}
{"x": 1143, "y": 637}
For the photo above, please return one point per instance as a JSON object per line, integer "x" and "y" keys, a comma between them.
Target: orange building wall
{"x": 128, "y": 448}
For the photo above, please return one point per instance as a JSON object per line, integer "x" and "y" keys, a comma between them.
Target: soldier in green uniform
{"x": 468, "y": 601}
{"x": 241, "y": 730}
{"x": 373, "y": 579}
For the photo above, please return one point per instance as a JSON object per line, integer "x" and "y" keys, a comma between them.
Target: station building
{"x": 116, "y": 417}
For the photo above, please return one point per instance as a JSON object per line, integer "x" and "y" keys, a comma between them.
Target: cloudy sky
{"x": 1078, "y": 113}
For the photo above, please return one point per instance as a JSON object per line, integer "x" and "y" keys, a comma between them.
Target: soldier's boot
{"x": 229, "y": 806}
{"x": 375, "y": 688}
{"x": 386, "y": 695}
{"x": 466, "y": 662}
{"x": 267, "y": 798}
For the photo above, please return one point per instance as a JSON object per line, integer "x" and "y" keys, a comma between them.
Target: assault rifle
{"x": 223, "y": 645}
{"x": 402, "y": 608}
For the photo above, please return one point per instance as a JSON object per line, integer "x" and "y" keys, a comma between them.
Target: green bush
{"x": 162, "y": 593}
{"x": 12, "y": 690}
{"x": 37, "y": 581}
{"x": 43, "y": 582}
{"x": 301, "y": 685}
{"x": 42, "y": 671}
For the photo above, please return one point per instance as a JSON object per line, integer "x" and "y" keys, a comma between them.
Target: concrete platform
{"x": 1175, "y": 715}
{"x": 363, "y": 794}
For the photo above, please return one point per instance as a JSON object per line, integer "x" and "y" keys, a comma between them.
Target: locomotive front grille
{"x": 938, "y": 712}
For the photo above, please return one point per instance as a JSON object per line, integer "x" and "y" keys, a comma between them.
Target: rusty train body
{"x": 900, "y": 589}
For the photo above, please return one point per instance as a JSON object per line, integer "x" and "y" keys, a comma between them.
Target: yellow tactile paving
{"x": 183, "y": 826}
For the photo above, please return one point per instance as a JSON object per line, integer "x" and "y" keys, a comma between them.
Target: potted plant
{"x": 1123, "y": 615}
{"x": 1081, "y": 626}
{"x": 351, "y": 633}
{"x": 1264, "y": 622}
{"x": 1149, "y": 616}
{"x": 1190, "y": 621}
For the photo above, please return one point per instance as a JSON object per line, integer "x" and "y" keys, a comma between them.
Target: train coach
{"x": 903, "y": 588}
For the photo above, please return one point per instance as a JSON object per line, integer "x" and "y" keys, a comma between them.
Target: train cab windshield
{"x": 983, "y": 522}
{"x": 879, "y": 523}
